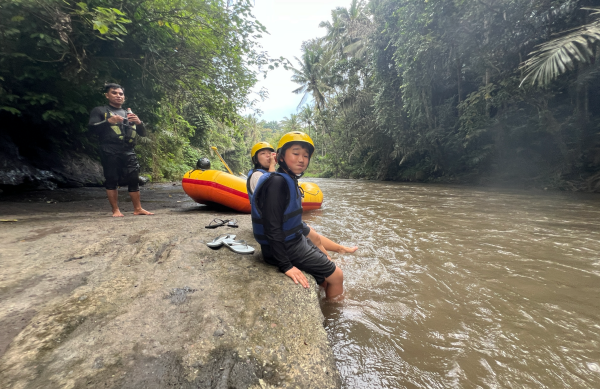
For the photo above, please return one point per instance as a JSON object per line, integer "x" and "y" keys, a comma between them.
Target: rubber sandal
{"x": 229, "y": 240}
{"x": 217, "y": 223}
{"x": 239, "y": 247}
{"x": 218, "y": 241}
{"x": 232, "y": 223}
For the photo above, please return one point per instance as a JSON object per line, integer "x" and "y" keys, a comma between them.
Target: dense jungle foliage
{"x": 187, "y": 68}
{"x": 487, "y": 91}
{"x": 431, "y": 90}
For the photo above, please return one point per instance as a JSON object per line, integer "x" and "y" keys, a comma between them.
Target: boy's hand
{"x": 297, "y": 276}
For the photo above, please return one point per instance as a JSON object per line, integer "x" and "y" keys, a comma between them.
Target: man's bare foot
{"x": 142, "y": 212}
{"x": 347, "y": 250}
{"x": 117, "y": 213}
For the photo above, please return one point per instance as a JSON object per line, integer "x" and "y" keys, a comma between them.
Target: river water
{"x": 462, "y": 287}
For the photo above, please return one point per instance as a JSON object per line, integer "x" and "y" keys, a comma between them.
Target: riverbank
{"x": 87, "y": 300}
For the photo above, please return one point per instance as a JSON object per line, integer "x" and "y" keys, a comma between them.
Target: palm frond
{"x": 302, "y": 89}
{"x": 302, "y": 101}
{"x": 555, "y": 57}
{"x": 353, "y": 47}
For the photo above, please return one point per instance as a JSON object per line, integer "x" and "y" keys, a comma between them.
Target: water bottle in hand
{"x": 129, "y": 112}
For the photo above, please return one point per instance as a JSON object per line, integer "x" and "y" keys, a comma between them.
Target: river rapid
{"x": 462, "y": 287}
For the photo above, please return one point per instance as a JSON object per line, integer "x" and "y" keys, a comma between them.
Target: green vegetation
{"x": 498, "y": 91}
{"x": 186, "y": 68}
{"x": 456, "y": 90}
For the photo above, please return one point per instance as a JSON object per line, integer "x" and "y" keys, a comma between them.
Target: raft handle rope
{"x": 222, "y": 160}
{"x": 312, "y": 194}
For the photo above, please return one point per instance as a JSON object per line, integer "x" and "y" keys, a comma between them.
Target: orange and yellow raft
{"x": 214, "y": 186}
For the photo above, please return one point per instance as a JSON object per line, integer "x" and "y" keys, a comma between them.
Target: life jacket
{"x": 125, "y": 132}
{"x": 292, "y": 216}
{"x": 252, "y": 171}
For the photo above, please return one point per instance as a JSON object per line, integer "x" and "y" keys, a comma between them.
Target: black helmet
{"x": 203, "y": 164}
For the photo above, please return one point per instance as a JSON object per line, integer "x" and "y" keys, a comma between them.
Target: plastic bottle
{"x": 129, "y": 111}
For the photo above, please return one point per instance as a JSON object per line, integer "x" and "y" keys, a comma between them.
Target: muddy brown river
{"x": 462, "y": 287}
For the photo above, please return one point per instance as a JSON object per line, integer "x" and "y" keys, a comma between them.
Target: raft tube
{"x": 313, "y": 197}
{"x": 214, "y": 186}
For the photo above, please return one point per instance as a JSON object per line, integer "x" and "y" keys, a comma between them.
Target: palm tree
{"x": 292, "y": 123}
{"x": 555, "y": 57}
{"x": 335, "y": 32}
{"x": 306, "y": 115}
{"x": 349, "y": 29}
{"x": 311, "y": 74}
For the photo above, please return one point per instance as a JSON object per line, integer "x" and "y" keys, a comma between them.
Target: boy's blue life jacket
{"x": 292, "y": 216}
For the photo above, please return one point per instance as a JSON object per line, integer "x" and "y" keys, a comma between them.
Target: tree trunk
{"x": 458, "y": 78}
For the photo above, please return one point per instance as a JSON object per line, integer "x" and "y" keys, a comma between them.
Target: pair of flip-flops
{"x": 237, "y": 246}
{"x": 220, "y": 222}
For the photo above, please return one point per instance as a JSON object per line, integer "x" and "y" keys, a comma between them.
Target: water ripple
{"x": 463, "y": 287}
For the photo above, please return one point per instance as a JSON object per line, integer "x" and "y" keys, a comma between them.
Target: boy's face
{"x": 264, "y": 158}
{"x": 115, "y": 97}
{"x": 296, "y": 158}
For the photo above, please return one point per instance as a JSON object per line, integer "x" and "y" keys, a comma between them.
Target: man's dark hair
{"x": 112, "y": 85}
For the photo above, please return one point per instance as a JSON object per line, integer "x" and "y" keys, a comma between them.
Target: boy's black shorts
{"x": 305, "y": 229}
{"x": 306, "y": 257}
{"x": 315, "y": 263}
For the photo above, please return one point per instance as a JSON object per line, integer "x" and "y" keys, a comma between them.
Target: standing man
{"x": 118, "y": 131}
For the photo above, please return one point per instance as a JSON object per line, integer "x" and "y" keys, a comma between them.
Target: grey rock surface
{"x": 46, "y": 170}
{"x": 87, "y": 300}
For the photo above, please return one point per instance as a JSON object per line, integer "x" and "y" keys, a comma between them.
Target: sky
{"x": 289, "y": 23}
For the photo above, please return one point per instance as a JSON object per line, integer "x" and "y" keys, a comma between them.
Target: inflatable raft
{"x": 214, "y": 186}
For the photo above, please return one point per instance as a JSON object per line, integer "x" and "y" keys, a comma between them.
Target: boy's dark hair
{"x": 112, "y": 85}
{"x": 304, "y": 145}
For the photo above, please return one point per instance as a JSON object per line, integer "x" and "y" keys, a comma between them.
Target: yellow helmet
{"x": 296, "y": 136}
{"x": 259, "y": 146}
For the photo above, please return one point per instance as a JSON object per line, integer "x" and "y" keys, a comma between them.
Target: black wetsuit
{"x": 299, "y": 252}
{"x": 118, "y": 155}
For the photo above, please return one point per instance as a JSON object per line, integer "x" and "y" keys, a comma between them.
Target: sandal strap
{"x": 239, "y": 243}
{"x": 216, "y": 222}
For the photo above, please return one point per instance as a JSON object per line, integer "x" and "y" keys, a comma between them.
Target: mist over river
{"x": 463, "y": 287}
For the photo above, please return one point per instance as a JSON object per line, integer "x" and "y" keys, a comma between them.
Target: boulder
{"x": 46, "y": 170}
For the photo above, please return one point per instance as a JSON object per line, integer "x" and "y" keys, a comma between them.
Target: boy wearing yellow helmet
{"x": 277, "y": 218}
{"x": 264, "y": 160}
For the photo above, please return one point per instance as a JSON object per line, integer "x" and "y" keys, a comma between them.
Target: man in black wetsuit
{"x": 117, "y": 131}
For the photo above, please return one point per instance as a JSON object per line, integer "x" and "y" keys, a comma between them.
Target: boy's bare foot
{"x": 347, "y": 250}
{"x": 117, "y": 213}
{"x": 142, "y": 212}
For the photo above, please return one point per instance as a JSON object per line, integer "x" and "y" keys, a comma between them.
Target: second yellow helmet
{"x": 259, "y": 146}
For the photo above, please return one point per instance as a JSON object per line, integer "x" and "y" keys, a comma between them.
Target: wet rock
{"x": 43, "y": 169}
{"x": 154, "y": 335}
